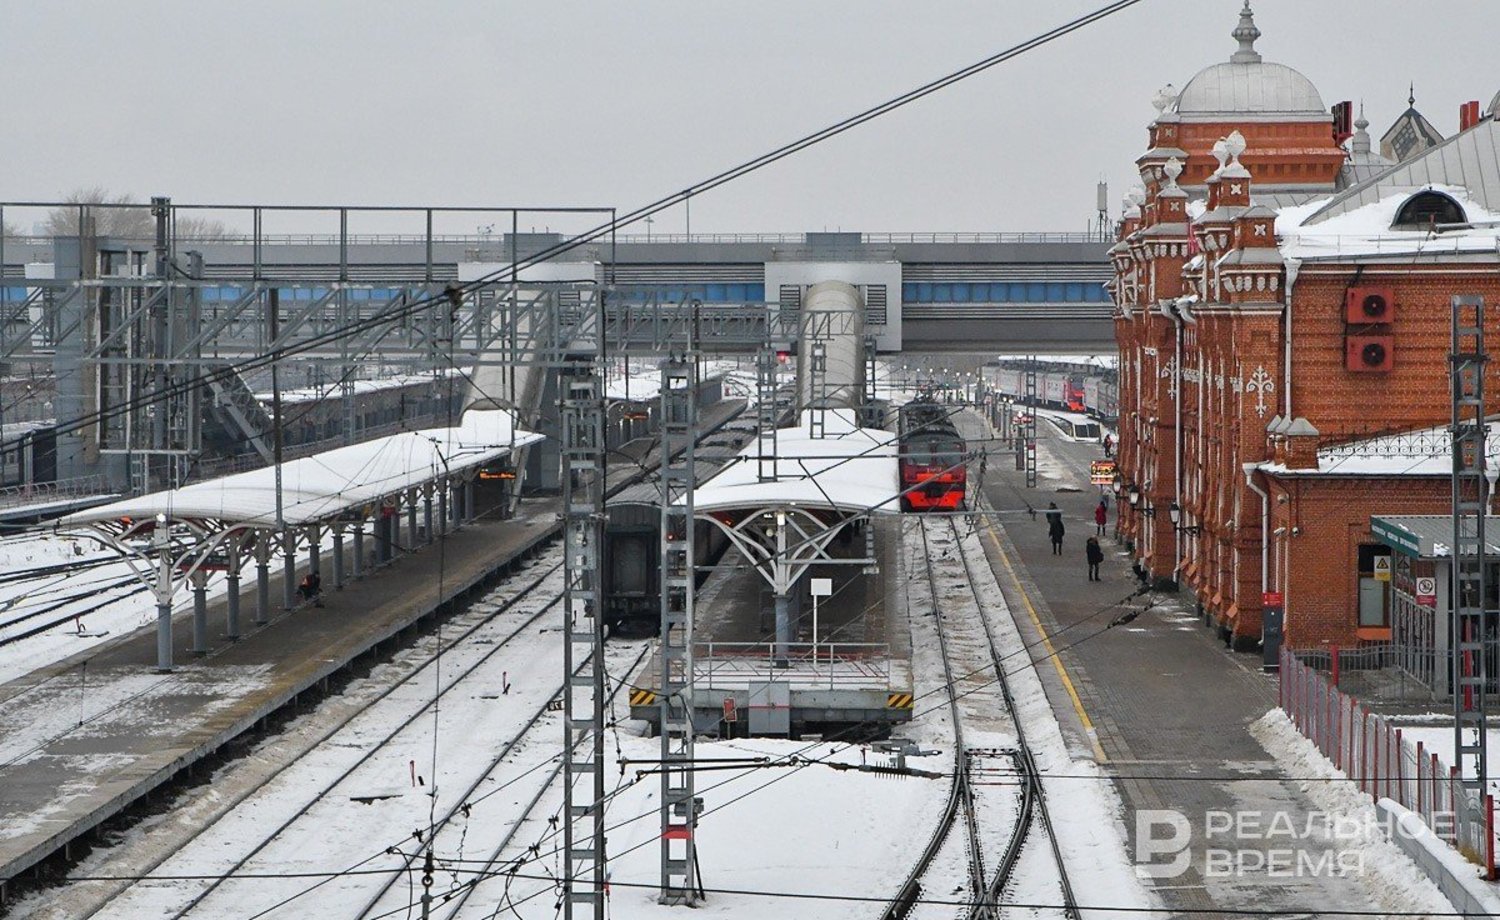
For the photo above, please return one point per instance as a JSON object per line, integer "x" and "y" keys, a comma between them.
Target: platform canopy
{"x": 847, "y": 469}
{"x": 325, "y": 486}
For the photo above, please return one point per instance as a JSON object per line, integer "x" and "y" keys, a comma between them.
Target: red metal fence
{"x": 1372, "y": 753}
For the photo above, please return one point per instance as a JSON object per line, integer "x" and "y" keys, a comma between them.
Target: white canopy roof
{"x": 325, "y": 485}
{"x": 849, "y": 469}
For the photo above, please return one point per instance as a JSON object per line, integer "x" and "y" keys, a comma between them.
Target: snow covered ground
{"x": 1390, "y": 874}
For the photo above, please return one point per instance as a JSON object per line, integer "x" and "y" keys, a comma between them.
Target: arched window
{"x": 1427, "y": 208}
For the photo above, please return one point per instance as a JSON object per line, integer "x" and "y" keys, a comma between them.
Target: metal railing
{"x": 1370, "y": 750}
{"x": 497, "y": 239}
{"x": 38, "y": 492}
{"x": 834, "y": 665}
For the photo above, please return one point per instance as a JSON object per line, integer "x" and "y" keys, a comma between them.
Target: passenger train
{"x": 932, "y": 457}
{"x": 1072, "y": 385}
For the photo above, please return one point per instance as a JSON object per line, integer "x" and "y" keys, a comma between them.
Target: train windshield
{"x": 934, "y": 451}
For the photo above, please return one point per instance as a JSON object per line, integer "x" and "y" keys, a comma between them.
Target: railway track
{"x": 477, "y": 621}
{"x": 998, "y": 828}
{"x": 1032, "y": 807}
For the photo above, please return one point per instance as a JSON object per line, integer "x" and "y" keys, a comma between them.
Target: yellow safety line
{"x": 1062, "y": 672}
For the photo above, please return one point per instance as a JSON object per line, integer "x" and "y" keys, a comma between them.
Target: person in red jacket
{"x": 1101, "y": 516}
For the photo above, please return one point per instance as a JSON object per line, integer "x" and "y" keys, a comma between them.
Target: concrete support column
{"x": 359, "y": 549}
{"x": 468, "y": 500}
{"x": 163, "y": 634}
{"x": 338, "y": 557}
{"x": 232, "y": 586}
{"x": 262, "y": 579}
{"x": 288, "y": 570}
{"x": 443, "y": 507}
{"x": 163, "y": 596}
{"x": 783, "y": 629}
{"x": 315, "y": 550}
{"x": 411, "y": 520}
{"x": 200, "y": 613}
{"x": 427, "y": 511}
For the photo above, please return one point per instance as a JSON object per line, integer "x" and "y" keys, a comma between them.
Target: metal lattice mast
{"x": 766, "y": 365}
{"x": 584, "y": 699}
{"x": 1028, "y": 431}
{"x": 679, "y": 805}
{"x": 1470, "y": 647}
{"x": 817, "y": 389}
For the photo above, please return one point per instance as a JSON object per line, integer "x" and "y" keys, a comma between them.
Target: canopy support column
{"x": 427, "y": 511}
{"x": 443, "y": 507}
{"x": 262, "y": 579}
{"x": 163, "y": 590}
{"x": 232, "y": 582}
{"x": 315, "y": 550}
{"x": 783, "y": 600}
{"x": 359, "y": 548}
{"x": 200, "y": 613}
{"x": 288, "y": 570}
{"x": 468, "y": 500}
{"x": 338, "y": 557}
{"x": 411, "y": 520}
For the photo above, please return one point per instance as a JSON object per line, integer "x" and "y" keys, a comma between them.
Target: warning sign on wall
{"x": 1382, "y": 568}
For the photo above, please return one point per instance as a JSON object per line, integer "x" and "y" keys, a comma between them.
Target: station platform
{"x": 857, "y": 672}
{"x": 85, "y": 738}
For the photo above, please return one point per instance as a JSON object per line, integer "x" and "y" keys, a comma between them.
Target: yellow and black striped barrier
{"x": 639, "y": 697}
{"x": 898, "y": 701}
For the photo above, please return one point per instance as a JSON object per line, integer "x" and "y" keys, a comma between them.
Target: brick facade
{"x": 1210, "y": 311}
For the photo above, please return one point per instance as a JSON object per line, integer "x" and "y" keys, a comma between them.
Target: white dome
{"x": 1250, "y": 88}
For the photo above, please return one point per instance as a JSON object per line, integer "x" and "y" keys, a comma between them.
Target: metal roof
{"x": 1428, "y": 536}
{"x": 1470, "y": 159}
{"x": 326, "y": 485}
{"x": 850, "y": 469}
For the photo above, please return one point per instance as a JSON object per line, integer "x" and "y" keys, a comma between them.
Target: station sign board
{"x": 1103, "y": 472}
{"x": 730, "y": 713}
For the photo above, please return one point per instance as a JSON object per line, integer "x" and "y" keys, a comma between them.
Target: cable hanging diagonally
{"x": 401, "y": 311}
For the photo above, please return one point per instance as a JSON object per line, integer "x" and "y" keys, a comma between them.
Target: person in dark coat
{"x": 1095, "y": 555}
{"x": 1109, "y": 446}
{"x": 1101, "y": 516}
{"x": 1055, "y": 527}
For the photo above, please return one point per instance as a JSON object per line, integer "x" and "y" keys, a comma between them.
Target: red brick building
{"x": 1283, "y": 324}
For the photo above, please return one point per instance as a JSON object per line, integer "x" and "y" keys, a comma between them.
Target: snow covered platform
{"x": 857, "y": 672}
{"x": 86, "y": 738}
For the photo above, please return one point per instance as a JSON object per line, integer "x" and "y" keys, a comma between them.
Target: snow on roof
{"x": 333, "y": 389}
{"x": 327, "y": 484}
{"x": 850, "y": 469}
{"x": 1420, "y": 452}
{"x": 1311, "y": 231}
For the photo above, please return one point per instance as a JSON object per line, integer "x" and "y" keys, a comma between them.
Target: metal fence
{"x": 41, "y": 492}
{"x": 1372, "y": 753}
{"x": 834, "y": 665}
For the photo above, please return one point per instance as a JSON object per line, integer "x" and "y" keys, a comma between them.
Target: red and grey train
{"x": 1093, "y": 393}
{"x": 932, "y": 458}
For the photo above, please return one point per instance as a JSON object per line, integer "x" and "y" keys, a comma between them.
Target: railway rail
{"x": 996, "y": 834}
{"x": 478, "y": 620}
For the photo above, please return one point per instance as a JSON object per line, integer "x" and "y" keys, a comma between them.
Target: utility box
{"x": 770, "y": 709}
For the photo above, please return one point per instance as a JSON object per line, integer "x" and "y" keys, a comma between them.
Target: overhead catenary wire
{"x": 456, "y": 291}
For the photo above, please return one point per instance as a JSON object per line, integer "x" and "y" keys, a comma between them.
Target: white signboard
{"x": 821, "y": 587}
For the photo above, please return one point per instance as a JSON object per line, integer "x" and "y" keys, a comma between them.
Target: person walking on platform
{"x": 1055, "y": 528}
{"x": 1101, "y": 516}
{"x": 1095, "y": 555}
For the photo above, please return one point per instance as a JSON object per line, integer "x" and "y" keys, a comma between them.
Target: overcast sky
{"x": 616, "y": 103}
